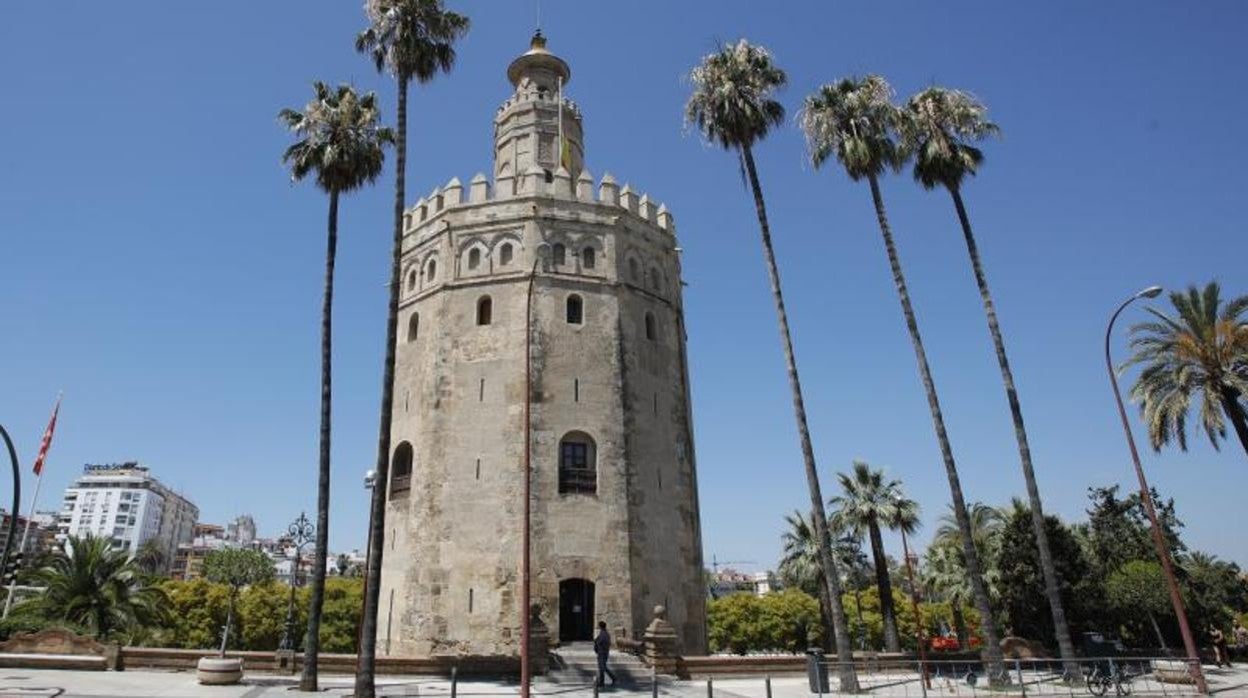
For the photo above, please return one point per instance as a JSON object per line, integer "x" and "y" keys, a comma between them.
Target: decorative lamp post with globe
{"x": 301, "y": 533}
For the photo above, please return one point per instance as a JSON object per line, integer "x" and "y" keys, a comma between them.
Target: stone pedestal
{"x": 660, "y": 644}
{"x": 284, "y": 662}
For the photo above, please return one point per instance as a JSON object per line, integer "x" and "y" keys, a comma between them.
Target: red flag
{"x": 47, "y": 439}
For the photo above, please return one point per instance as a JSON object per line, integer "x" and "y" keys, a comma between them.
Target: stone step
{"x": 580, "y": 666}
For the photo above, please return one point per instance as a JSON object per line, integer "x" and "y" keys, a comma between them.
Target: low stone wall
{"x": 702, "y": 667}
{"x": 160, "y": 658}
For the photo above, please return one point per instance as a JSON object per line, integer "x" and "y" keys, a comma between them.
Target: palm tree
{"x": 341, "y": 143}
{"x": 90, "y": 584}
{"x": 941, "y": 124}
{"x": 732, "y": 106}
{"x": 944, "y": 574}
{"x": 868, "y": 503}
{"x": 413, "y": 40}
{"x": 1201, "y": 353}
{"x": 986, "y": 523}
{"x": 799, "y": 566}
{"x": 150, "y": 557}
{"x": 854, "y": 120}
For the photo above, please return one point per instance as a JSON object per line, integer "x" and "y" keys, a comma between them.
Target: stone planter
{"x": 1172, "y": 671}
{"x": 220, "y": 671}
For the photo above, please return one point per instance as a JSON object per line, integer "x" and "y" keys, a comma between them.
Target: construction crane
{"x": 716, "y": 564}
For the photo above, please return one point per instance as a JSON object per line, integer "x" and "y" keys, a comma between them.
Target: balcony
{"x": 578, "y": 481}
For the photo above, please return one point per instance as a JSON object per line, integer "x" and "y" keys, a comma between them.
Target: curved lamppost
{"x": 17, "y": 498}
{"x": 301, "y": 533}
{"x": 1146, "y": 497}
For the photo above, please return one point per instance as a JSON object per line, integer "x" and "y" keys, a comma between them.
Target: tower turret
{"x": 536, "y": 125}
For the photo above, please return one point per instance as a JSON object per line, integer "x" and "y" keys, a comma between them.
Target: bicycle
{"x": 1101, "y": 677}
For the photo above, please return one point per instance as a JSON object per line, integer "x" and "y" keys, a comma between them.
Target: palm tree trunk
{"x": 844, "y": 652}
{"x": 959, "y": 624}
{"x": 1052, "y": 590}
{"x": 1157, "y": 630}
{"x": 979, "y": 592}
{"x": 312, "y": 643}
{"x": 825, "y": 615}
{"x": 1235, "y": 412}
{"x": 365, "y": 685}
{"x": 892, "y": 642}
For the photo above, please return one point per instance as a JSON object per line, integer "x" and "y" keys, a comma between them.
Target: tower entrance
{"x": 576, "y": 610}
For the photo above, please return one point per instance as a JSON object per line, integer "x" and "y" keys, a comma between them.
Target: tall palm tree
{"x": 341, "y": 144}
{"x": 854, "y": 121}
{"x": 413, "y": 40}
{"x": 1201, "y": 353}
{"x": 869, "y": 503}
{"x": 90, "y": 584}
{"x": 732, "y": 106}
{"x": 941, "y": 125}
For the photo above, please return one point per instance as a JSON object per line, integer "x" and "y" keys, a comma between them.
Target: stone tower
{"x": 614, "y": 504}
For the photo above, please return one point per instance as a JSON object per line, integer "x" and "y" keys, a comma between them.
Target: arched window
{"x": 411, "y": 280}
{"x": 578, "y": 464}
{"x": 558, "y": 254}
{"x": 651, "y": 330}
{"x": 474, "y": 258}
{"x": 576, "y": 309}
{"x": 485, "y": 310}
{"x": 587, "y": 258}
{"x": 413, "y": 327}
{"x": 656, "y": 279}
{"x": 401, "y": 471}
{"x": 634, "y": 270}
{"x": 431, "y": 271}
{"x": 504, "y": 254}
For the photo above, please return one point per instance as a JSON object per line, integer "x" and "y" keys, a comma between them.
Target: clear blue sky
{"x": 157, "y": 265}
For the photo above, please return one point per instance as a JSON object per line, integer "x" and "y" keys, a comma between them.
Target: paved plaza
{"x": 182, "y": 684}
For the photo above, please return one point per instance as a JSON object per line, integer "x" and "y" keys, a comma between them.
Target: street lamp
{"x": 525, "y": 589}
{"x": 1146, "y": 497}
{"x": 301, "y": 532}
{"x": 17, "y": 500}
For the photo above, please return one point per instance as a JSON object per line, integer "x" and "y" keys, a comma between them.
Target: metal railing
{"x": 1097, "y": 676}
{"x": 578, "y": 481}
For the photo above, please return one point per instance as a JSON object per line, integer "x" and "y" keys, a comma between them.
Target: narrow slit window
{"x": 576, "y": 390}
{"x": 481, "y": 391}
{"x": 651, "y": 330}
{"x": 575, "y": 310}
{"x": 413, "y": 327}
{"x": 478, "y": 468}
{"x": 485, "y": 311}
{"x": 470, "y": 599}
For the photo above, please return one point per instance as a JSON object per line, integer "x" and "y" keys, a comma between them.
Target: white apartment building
{"x": 123, "y": 502}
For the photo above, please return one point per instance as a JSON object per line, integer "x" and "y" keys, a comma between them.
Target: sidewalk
{"x": 173, "y": 684}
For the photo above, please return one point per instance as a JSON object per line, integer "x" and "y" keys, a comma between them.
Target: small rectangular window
{"x": 481, "y": 391}
{"x": 470, "y": 599}
{"x": 576, "y": 390}
{"x": 478, "y": 468}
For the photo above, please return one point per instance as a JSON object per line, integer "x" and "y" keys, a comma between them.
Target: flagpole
{"x": 30, "y": 518}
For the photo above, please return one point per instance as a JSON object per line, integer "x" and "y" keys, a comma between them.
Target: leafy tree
{"x": 869, "y": 502}
{"x": 1213, "y": 590}
{"x": 344, "y": 598}
{"x": 944, "y": 575}
{"x": 1118, "y": 530}
{"x": 198, "y": 610}
{"x": 151, "y": 557}
{"x": 262, "y": 614}
{"x": 941, "y": 125}
{"x": 855, "y": 121}
{"x": 91, "y": 585}
{"x": 784, "y": 621}
{"x": 413, "y": 40}
{"x": 732, "y": 105}
{"x": 236, "y": 568}
{"x": 1022, "y": 581}
{"x": 342, "y": 145}
{"x": 1139, "y": 586}
{"x": 1203, "y": 354}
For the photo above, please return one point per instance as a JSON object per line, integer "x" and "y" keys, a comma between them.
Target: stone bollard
{"x": 660, "y": 644}
{"x": 284, "y": 662}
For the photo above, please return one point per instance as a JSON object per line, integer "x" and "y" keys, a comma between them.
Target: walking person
{"x": 1220, "y": 654}
{"x": 602, "y": 648}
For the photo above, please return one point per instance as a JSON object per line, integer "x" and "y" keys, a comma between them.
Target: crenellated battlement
{"x": 533, "y": 183}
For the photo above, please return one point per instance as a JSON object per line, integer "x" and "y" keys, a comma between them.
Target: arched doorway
{"x": 576, "y": 610}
